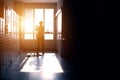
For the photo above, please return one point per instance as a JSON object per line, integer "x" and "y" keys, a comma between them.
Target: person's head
{"x": 40, "y": 23}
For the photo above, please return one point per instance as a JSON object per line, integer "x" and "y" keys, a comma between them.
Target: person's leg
{"x": 38, "y": 45}
{"x": 43, "y": 46}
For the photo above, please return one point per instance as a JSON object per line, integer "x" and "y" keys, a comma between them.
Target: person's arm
{"x": 36, "y": 28}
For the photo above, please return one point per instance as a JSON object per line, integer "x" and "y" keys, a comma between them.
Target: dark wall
{"x": 83, "y": 30}
{"x": 81, "y": 26}
{"x": 99, "y": 7}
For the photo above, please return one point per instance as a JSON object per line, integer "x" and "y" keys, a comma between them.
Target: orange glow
{"x": 28, "y": 26}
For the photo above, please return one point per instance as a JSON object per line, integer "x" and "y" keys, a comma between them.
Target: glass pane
{"x": 49, "y": 36}
{"x": 32, "y": 20}
{"x": 28, "y": 22}
{"x": 38, "y": 16}
{"x": 59, "y": 25}
{"x": 49, "y": 20}
{"x": 59, "y": 22}
{"x": 28, "y": 36}
{"x": 49, "y": 14}
{"x": 9, "y": 20}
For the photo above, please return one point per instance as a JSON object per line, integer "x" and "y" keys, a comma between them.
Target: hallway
{"x": 74, "y": 40}
{"x": 29, "y": 67}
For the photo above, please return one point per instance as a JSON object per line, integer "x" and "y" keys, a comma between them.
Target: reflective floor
{"x": 50, "y": 66}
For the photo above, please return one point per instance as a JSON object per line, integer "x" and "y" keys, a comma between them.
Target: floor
{"x": 28, "y": 66}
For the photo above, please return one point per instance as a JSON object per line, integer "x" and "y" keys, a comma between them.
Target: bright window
{"x": 32, "y": 18}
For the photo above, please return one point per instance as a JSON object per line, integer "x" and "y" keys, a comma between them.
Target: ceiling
{"x": 38, "y": 1}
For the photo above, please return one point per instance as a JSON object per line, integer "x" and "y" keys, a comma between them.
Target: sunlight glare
{"x": 28, "y": 26}
{"x": 28, "y": 67}
{"x": 49, "y": 65}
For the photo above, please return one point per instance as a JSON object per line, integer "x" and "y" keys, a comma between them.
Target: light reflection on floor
{"x": 50, "y": 65}
{"x": 46, "y": 65}
{"x": 33, "y": 64}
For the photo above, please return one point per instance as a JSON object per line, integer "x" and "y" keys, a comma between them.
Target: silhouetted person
{"x": 40, "y": 38}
